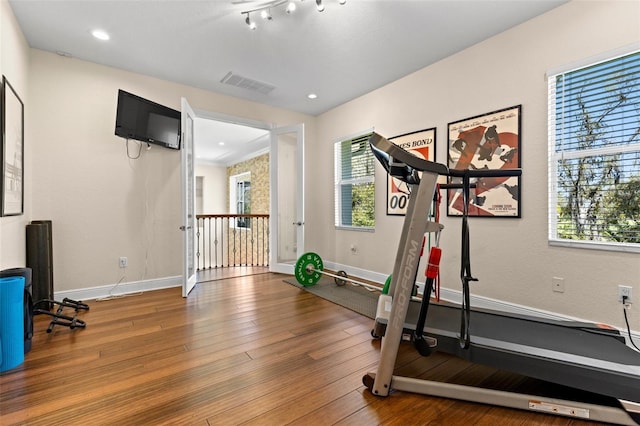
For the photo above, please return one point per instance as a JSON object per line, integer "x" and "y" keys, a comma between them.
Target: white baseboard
{"x": 120, "y": 289}
{"x": 455, "y": 296}
{"x": 357, "y": 273}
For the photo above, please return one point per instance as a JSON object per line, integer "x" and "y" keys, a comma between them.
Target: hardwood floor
{"x": 215, "y": 274}
{"x": 245, "y": 350}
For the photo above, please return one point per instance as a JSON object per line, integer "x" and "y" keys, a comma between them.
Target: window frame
{"x": 573, "y": 153}
{"x": 235, "y": 200}
{"x": 339, "y": 182}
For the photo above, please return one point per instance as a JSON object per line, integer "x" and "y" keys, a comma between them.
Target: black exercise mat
{"x": 355, "y": 298}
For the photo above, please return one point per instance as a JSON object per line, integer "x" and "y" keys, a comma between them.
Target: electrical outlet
{"x": 124, "y": 262}
{"x": 557, "y": 284}
{"x": 624, "y": 291}
{"x": 354, "y": 249}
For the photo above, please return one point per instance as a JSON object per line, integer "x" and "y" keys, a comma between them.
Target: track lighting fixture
{"x": 289, "y": 7}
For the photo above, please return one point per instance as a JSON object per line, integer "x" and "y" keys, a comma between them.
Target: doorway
{"x": 287, "y": 197}
{"x": 221, "y": 141}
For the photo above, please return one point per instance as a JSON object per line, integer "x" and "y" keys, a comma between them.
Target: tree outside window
{"x": 354, "y": 184}
{"x": 594, "y": 128}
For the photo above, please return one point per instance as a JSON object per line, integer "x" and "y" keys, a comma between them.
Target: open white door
{"x": 188, "y": 200}
{"x": 287, "y": 198}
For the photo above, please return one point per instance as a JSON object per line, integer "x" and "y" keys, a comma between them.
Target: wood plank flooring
{"x": 214, "y": 274}
{"x": 245, "y": 350}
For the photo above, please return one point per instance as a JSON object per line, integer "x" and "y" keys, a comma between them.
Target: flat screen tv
{"x": 141, "y": 119}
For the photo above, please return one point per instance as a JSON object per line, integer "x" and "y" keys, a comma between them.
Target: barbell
{"x": 309, "y": 270}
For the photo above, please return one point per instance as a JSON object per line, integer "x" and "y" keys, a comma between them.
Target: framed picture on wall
{"x": 12, "y": 153}
{"x": 421, "y": 143}
{"x": 487, "y": 141}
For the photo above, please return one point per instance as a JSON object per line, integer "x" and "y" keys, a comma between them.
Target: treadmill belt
{"x": 538, "y": 348}
{"x": 531, "y": 332}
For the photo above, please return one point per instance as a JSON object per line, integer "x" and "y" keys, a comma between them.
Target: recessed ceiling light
{"x": 312, "y": 96}
{"x": 100, "y": 35}
{"x": 221, "y": 143}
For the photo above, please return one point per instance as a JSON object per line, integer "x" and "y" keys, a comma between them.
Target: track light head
{"x": 319, "y": 6}
{"x": 342, "y": 1}
{"x": 266, "y": 14}
{"x": 291, "y": 7}
{"x": 250, "y": 23}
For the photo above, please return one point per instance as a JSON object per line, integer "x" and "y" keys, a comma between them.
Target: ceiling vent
{"x": 247, "y": 83}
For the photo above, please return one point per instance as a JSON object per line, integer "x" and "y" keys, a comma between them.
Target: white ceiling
{"x": 222, "y": 143}
{"x": 339, "y": 54}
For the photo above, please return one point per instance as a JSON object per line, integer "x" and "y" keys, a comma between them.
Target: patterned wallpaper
{"x": 259, "y": 168}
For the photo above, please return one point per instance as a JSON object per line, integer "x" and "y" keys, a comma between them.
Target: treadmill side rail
{"x": 632, "y": 408}
{"x": 581, "y": 410}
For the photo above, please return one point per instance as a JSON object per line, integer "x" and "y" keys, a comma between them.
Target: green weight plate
{"x": 308, "y": 269}
{"x": 387, "y": 283}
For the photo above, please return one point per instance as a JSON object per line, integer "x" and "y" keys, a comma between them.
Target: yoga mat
{"x": 11, "y": 322}
{"x": 355, "y": 298}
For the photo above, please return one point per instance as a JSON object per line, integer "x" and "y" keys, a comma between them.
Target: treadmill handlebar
{"x": 485, "y": 173}
{"x": 402, "y": 164}
{"x": 390, "y": 154}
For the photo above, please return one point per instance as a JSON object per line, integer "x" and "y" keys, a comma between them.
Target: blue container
{"x": 11, "y": 322}
{"x": 28, "y": 303}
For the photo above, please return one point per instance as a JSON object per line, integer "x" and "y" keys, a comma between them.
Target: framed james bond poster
{"x": 487, "y": 141}
{"x": 422, "y": 144}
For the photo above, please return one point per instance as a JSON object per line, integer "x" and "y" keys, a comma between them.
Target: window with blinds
{"x": 594, "y": 155}
{"x": 354, "y": 184}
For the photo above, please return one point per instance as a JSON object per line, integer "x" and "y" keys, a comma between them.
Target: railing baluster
{"x": 225, "y": 230}
{"x": 215, "y": 235}
{"x": 207, "y": 230}
{"x": 201, "y": 251}
{"x": 246, "y": 247}
{"x": 204, "y": 241}
{"x": 198, "y": 244}
{"x": 253, "y": 228}
{"x": 258, "y": 237}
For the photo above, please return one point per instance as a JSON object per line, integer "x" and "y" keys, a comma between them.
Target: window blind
{"x": 594, "y": 164}
{"x": 354, "y": 183}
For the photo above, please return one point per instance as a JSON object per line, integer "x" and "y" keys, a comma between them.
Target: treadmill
{"x": 580, "y": 355}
